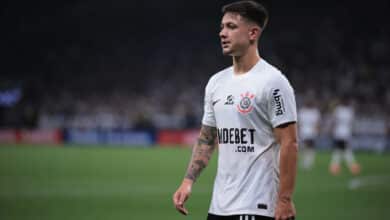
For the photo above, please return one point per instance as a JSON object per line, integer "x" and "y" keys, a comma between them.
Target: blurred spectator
{"x": 107, "y": 80}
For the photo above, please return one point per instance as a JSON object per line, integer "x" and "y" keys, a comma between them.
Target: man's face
{"x": 235, "y": 34}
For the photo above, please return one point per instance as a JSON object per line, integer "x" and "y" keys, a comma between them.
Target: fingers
{"x": 175, "y": 198}
{"x": 178, "y": 199}
{"x": 284, "y": 212}
{"x": 179, "y": 205}
{"x": 284, "y": 218}
{"x": 182, "y": 210}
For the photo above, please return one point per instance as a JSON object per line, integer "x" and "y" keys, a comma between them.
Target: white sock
{"x": 308, "y": 158}
{"x": 349, "y": 157}
{"x": 336, "y": 157}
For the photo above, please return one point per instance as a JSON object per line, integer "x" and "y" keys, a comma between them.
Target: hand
{"x": 181, "y": 195}
{"x": 285, "y": 209}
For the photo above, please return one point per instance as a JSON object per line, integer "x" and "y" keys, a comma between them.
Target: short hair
{"x": 250, "y": 10}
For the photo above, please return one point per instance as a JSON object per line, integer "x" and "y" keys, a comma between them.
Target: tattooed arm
{"x": 201, "y": 154}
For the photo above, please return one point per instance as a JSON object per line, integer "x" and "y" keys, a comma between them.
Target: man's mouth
{"x": 225, "y": 44}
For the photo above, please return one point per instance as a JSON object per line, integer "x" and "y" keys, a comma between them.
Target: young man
{"x": 250, "y": 111}
{"x": 342, "y": 120}
{"x": 309, "y": 117}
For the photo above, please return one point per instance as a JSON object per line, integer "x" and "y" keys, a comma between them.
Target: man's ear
{"x": 254, "y": 33}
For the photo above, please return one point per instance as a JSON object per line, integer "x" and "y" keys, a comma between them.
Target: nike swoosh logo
{"x": 215, "y": 102}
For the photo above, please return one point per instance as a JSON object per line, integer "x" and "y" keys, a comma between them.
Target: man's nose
{"x": 222, "y": 34}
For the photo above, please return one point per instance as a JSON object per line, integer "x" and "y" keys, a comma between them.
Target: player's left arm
{"x": 286, "y": 135}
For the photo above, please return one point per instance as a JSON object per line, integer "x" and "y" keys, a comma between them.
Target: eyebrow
{"x": 228, "y": 23}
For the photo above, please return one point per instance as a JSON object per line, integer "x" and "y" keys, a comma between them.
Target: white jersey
{"x": 245, "y": 109}
{"x": 343, "y": 117}
{"x": 309, "y": 119}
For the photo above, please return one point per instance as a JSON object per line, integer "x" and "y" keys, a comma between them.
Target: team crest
{"x": 246, "y": 104}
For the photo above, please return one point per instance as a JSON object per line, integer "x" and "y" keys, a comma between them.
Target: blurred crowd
{"x": 157, "y": 81}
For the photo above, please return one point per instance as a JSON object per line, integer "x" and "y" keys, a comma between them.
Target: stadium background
{"x": 95, "y": 95}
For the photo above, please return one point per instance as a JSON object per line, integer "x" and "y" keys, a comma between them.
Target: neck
{"x": 242, "y": 64}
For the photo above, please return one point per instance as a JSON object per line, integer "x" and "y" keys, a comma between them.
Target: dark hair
{"x": 250, "y": 10}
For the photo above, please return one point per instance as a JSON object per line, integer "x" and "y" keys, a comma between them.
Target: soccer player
{"x": 309, "y": 117}
{"x": 342, "y": 120}
{"x": 250, "y": 111}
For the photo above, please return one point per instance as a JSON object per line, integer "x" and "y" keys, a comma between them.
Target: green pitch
{"x": 126, "y": 183}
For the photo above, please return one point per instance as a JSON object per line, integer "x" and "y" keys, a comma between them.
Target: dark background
{"x": 147, "y": 62}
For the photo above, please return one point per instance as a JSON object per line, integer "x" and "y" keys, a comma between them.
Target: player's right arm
{"x": 201, "y": 154}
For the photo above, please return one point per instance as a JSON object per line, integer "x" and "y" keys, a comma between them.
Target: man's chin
{"x": 227, "y": 52}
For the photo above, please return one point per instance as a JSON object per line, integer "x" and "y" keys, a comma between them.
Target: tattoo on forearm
{"x": 202, "y": 151}
{"x": 208, "y": 135}
{"x": 195, "y": 168}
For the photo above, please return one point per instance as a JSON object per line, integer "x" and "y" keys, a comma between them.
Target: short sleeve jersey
{"x": 245, "y": 109}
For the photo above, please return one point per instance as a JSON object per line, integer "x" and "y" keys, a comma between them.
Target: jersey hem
{"x": 243, "y": 212}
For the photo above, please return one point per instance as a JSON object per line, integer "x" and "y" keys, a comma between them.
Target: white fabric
{"x": 309, "y": 119}
{"x": 349, "y": 157}
{"x": 336, "y": 157}
{"x": 245, "y": 109}
{"x": 343, "y": 117}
